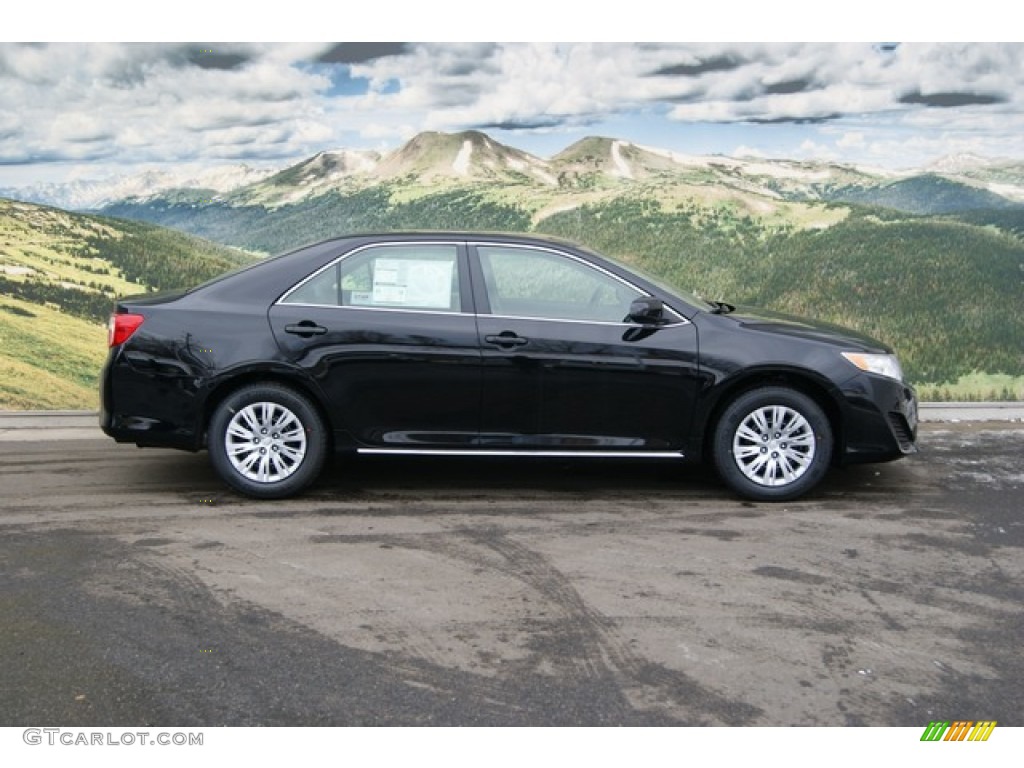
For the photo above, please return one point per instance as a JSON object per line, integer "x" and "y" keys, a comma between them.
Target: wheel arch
{"x": 806, "y": 382}
{"x": 226, "y": 386}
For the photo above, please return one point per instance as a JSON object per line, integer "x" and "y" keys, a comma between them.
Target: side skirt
{"x": 538, "y": 453}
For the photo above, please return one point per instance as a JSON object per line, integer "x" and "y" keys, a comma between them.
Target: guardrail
{"x": 997, "y": 411}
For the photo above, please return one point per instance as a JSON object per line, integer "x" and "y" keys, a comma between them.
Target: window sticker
{"x": 413, "y": 282}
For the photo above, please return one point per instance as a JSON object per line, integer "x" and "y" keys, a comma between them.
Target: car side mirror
{"x": 647, "y": 310}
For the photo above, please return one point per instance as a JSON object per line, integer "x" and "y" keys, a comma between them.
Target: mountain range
{"x": 93, "y": 194}
{"x": 431, "y": 160}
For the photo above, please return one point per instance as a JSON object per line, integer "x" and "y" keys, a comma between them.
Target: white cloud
{"x": 153, "y": 102}
{"x": 851, "y": 139}
{"x": 136, "y": 103}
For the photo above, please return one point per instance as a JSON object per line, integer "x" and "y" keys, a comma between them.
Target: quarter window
{"x": 394, "y": 276}
{"x": 523, "y": 282}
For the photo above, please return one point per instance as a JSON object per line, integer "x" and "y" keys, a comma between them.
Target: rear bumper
{"x": 881, "y": 419}
{"x": 165, "y": 423}
{"x": 146, "y": 432}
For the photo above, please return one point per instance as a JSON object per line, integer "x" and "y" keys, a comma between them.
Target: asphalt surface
{"x": 136, "y": 590}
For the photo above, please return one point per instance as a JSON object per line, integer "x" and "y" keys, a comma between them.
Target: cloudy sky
{"x": 89, "y": 110}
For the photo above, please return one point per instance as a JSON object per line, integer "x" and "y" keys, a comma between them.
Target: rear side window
{"x": 422, "y": 277}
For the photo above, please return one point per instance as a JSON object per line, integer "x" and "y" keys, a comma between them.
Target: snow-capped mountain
{"x": 429, "y": 158}
{"x": 469, "y": 155}
{"x": 92, "y": 194}
{"x": 319, "y": 174}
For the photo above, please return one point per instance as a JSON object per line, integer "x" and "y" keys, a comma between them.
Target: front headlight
{"x": 883, "y": 365}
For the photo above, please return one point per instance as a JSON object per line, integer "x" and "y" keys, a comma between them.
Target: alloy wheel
{"x": 265, "y": 442}
{"x": 773, "y": 446}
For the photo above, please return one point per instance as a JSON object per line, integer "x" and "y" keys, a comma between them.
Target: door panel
{"x": 383, "y": 334}
{"x": 582, "y": 386}
{"x": 573, "y": 375}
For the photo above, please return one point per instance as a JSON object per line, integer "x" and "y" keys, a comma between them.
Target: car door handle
{"x": 506, "y": 339}
{"x": 305, "y": 329}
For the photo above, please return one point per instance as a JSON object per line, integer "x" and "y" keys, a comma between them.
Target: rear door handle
{"x": 305, "y": 329}
{"x": 506, "y": 339}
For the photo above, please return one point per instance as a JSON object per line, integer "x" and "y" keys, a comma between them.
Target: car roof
{"x": 447, "y": 234}
{"x": 271, "y": 275}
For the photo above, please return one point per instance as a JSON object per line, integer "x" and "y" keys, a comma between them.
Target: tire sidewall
{"x": 316, "y": 440}
{"x": 738, "y": 410}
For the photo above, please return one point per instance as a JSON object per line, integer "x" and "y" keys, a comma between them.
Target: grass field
{"x": 59, "y": 275}
{"x": 975, "y": 387}
{"x": 49, "y": 360}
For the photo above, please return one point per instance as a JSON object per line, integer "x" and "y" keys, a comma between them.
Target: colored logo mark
{"x": 958, "y": 730}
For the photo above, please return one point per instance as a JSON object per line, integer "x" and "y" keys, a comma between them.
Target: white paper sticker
{"x": 388, "y": 294}
{"x": 413, "y": 282}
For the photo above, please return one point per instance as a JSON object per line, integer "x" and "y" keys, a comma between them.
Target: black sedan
{"x": 491, "y": 345}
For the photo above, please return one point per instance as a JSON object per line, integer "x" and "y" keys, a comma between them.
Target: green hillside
{"x": 59, "y": 275}
{"x": 925, "y": 194}
{"x": 1006, "y": 220}
{"x": 945, "y": 294}
{"x": 282, "y": 228}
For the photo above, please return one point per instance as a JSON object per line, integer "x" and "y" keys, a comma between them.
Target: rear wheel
{"x": 267, "y": 441}
{"x": 772, "y": 444}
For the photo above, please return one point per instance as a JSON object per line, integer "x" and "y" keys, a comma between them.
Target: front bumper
{"x": 880, "y": 421}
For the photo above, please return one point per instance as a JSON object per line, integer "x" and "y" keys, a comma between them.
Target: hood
{"x": 766, "y": 321}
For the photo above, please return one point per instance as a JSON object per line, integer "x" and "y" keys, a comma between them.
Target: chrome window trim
{"x": 681, "y": 319}
{"x": 381, "y": 309}
{"x": 674, "y": 324}
{"x": 367, "y": 246}
{"x": 585, "y": 263}
{"x": 681, "y": 322}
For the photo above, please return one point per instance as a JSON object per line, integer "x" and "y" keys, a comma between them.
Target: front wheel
{"x": 267, "y": 441}
{"x": 772, "y": 444}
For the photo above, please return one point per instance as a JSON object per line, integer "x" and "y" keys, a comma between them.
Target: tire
{"x": 267, "y": 441}
{"x": 772, "y": 444}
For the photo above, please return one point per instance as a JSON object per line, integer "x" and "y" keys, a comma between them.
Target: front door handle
{"x": 507, "y": 339}
{"x": 305, "y": 329}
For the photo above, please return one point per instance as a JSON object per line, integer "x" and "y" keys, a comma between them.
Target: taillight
{"x": 121, "y": 327}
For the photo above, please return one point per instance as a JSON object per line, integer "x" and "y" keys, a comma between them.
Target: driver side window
{"x": 522, "y": 282}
